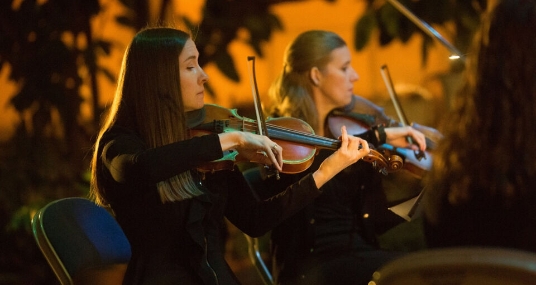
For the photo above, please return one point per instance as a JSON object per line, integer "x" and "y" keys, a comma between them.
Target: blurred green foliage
{"x": 382, "y": 16}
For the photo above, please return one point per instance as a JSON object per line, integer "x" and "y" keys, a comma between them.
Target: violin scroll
{"x": 385, "y": 162}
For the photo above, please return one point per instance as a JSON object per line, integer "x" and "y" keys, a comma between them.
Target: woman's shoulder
{"x": 119, "y": 134}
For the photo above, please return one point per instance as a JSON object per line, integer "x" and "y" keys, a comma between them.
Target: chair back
{"x": 460, "y": 266}
{"x": 81, "y": 241}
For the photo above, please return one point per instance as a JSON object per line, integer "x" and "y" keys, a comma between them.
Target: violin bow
{"x": 419, "y": 154}
{"x": 262, "y": 129}
{"x": 426, "y": 28}
{"x": 261, "y": 123}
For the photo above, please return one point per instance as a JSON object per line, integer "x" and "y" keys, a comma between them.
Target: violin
{"x": 358, "y": 123}
{"x": 390, "y": 154}
{"x": 295, "y": 136}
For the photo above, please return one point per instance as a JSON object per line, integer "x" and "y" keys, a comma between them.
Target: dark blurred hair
{"x": 489, "y": 146}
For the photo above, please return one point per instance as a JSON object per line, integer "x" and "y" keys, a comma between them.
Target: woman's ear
{"x": 315, "y": 75}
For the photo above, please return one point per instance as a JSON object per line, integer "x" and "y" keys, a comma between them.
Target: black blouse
{"x": 181, "y": 242}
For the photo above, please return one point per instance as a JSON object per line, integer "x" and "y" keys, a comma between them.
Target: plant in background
{"x": 462, "y": 17}
{"x": 382, "y": 16}
{"x": 222, "y": 20}
{"x": 50, "y": 51}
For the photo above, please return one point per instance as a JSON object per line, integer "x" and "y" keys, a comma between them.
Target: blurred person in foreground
{"x": 482, "y": 187}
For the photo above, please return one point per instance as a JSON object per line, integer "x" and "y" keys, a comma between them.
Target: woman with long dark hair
{"x": 145, "y": 167}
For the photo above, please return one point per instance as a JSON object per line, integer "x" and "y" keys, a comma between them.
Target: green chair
{"x": 82, "y": 242}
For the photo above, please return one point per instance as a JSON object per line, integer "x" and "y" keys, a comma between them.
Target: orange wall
{"x": 8, "y": 116}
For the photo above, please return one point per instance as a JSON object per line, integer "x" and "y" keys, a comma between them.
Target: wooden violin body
{"x": 370, "y": 115}
{"x": 293, "y": 135}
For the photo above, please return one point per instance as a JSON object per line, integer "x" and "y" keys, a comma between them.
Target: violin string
{"x": 253, "y": 126}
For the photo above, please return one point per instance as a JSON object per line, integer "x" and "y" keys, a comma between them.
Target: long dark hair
{"x": 148, "y": 100}
{"x": 488, "y": 149}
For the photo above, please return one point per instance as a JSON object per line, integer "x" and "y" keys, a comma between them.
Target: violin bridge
{"x": 271, "y": 172}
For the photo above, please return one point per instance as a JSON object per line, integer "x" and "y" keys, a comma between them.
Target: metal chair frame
{"x": 82, "y": 222}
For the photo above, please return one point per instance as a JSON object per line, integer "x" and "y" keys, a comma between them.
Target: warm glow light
{"x": 454, "y": 57}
